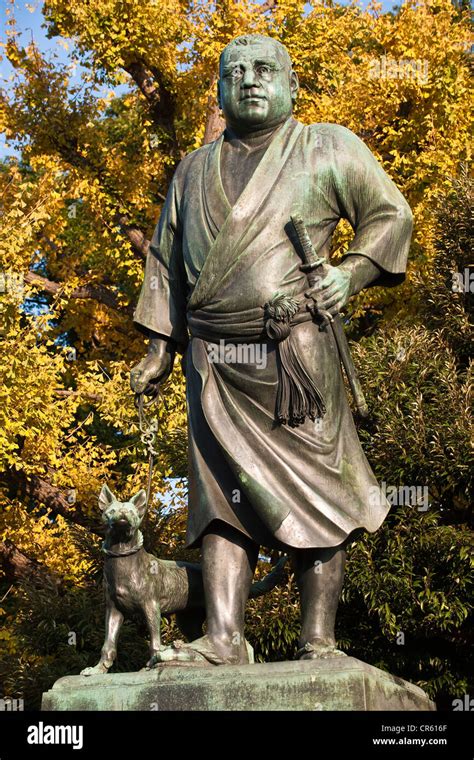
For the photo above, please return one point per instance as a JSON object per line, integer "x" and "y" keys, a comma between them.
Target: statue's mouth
{"x": 253, "y": 97}
{"x": 121, "y": 524}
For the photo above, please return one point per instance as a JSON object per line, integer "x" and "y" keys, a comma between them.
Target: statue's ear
{"x": 106, "y": 497}
{"x": 294, "y": 85}
{"x": 139, "y": 501}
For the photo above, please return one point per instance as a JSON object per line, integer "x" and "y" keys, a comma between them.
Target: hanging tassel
{"x": 297, "y": 395}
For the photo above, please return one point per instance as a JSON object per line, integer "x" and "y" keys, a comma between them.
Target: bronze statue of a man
{"x": 222, "y": 263}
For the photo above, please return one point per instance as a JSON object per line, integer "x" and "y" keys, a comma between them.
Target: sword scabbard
{"x": 312, "y": 263}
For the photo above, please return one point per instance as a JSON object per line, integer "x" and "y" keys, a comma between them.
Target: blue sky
{"x": 29, "y": 24}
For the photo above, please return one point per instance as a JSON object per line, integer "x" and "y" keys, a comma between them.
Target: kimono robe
{"x": 210, "y": 269}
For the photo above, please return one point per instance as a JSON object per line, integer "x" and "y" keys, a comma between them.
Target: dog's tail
{"x": 274, "y": 578}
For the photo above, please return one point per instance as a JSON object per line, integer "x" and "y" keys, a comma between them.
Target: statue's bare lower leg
{"x": 228, "y": 564}
{"x": 319, "y": 575}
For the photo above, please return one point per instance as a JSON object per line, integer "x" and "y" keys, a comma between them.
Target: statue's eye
{"x": 235, "y": 73}
{"x": 263, "y": 69}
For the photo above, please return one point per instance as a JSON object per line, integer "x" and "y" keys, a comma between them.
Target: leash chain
{"x": 148, "y": 431}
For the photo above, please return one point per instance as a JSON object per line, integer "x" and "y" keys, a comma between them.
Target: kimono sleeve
{"x": 377, "y": 211}
{"x": 161, "y": 306}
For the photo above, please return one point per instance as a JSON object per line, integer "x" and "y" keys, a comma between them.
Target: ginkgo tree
{"x": 96, "y": 154}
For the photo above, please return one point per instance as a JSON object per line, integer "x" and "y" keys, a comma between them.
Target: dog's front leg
{"x": 152, "y": 613}
{"x": 113, "y": 623}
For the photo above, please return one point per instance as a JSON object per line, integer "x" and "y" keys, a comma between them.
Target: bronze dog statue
{"x": 136, "y": 581}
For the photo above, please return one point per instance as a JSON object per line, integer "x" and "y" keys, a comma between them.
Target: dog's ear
{"x": 106, "y": 497}
{"x": 139, "y": 501}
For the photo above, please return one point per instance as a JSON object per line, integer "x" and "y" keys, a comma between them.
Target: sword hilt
{"x": 311, "y": 260}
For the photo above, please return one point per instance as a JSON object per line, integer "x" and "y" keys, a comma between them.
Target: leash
{"x": 148, "y": 430}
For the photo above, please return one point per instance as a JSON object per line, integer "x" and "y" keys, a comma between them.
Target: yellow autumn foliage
{"x": 91, "y": 159}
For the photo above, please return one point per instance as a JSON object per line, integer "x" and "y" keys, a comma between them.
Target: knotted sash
{"x": 297, "y": 396}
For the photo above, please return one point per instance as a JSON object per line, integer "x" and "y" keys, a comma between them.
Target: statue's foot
{"x": 155, "y": 654}
{"x": 202, "y": 650}
{"x": 96, "y": 670}
{"x": 318, "y": 649}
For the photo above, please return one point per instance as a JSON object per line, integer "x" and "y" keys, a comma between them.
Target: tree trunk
{"x": 54, "y": 498}
{"x": 215, "y": 124}
{"x": 18, "y": 567}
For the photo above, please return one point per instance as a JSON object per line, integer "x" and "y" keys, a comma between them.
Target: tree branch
{"x": 268, "y": 6}
{"x": 64, "y": 393}
{"x": 161, "y": 101}
{"x": 33, "y": 487}
{"x": 18, "y": 567}
{"x": 140, "y": 244}
{"x": 94, "y": 292}
{"x": 68, "y": 150}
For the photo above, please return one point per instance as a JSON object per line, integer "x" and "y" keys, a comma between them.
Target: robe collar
{"x": 228, "y": 224}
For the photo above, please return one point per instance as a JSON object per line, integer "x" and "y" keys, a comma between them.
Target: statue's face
{"x": 255, "y": 87}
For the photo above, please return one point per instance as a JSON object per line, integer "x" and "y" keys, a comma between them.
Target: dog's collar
{"x": 126, "y": 552}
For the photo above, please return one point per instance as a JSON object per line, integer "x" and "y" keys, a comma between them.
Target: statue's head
{"x": 257, "y": 85}
{"x": 122, "y": 517}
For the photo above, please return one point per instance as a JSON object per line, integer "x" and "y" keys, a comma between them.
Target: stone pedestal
{"x": 335, "y": 683}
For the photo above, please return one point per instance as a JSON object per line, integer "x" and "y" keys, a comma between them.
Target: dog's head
{"x": 122, "y": 517}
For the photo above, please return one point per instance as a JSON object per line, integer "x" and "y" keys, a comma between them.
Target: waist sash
{"x": 297, "y": 395}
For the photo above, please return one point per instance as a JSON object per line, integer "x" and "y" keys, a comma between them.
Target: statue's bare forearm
{"x": 159, "y": 344}
{"x": 362, "y": 270}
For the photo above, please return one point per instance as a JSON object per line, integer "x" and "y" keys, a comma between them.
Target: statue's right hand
{"x": 151, "y": 371}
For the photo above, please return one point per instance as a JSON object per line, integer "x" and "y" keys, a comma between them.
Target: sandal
{"x": 318, "y": 651}
{"x": 201, "y": 650}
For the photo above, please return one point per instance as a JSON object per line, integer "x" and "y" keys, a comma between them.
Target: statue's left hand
{"x": 332, "y": 292}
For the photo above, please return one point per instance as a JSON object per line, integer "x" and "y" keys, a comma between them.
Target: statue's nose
{"x": 249, "y": 79}
{"x": 120, "y": 519}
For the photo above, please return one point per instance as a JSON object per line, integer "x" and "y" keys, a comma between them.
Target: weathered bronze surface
{"x": 136, "y": 581}
{"x": 222, "y": 255}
